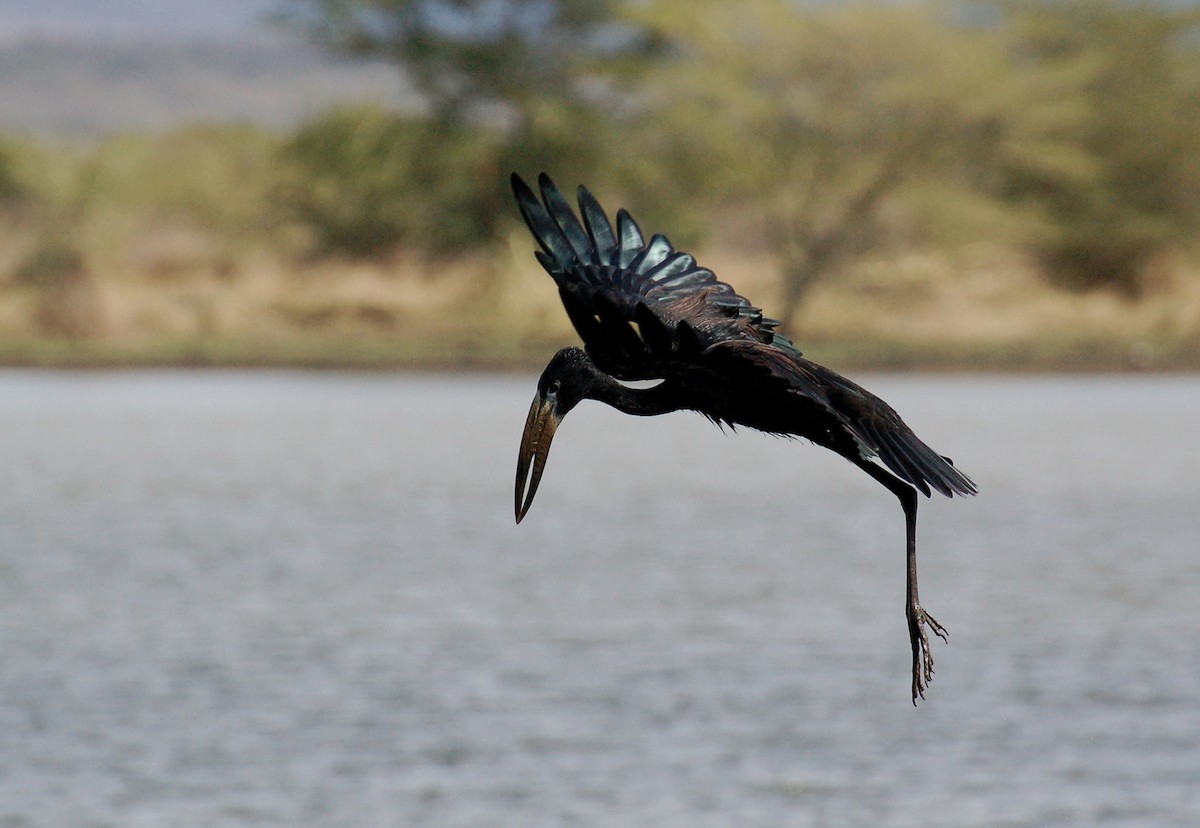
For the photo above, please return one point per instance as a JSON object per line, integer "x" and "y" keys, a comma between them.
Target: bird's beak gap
{"x": 535, "y": 446}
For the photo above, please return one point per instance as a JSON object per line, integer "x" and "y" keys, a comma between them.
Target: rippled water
{"x": 248, "y": 599}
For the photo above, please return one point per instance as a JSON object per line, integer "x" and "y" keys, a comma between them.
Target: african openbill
{"x": 648, "y": 312}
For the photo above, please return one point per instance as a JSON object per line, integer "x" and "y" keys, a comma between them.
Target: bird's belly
{"x": 791, "y": 415}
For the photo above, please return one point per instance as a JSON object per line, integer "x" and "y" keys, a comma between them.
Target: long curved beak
{"x": 535, "y": 446}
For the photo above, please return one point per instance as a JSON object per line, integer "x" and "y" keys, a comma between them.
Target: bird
{"x": 646, "y": 311}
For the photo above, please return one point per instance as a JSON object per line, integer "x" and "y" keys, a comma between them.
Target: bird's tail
{"x": 911, "y": 460}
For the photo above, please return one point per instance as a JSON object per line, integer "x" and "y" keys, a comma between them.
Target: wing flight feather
{"x": 611, "y": 277}
{"x": 645, "y": 310}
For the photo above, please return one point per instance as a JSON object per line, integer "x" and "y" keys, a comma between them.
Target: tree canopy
{"x": 468, "y": 56}
{"x": 1069, "y": 128}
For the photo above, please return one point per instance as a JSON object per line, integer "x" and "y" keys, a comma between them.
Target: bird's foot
{"x": 922, "y": 665}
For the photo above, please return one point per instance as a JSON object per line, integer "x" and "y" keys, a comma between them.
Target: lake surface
{"x": 288, "y": 599}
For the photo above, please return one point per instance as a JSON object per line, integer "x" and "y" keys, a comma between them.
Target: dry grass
{"x": 177, "y": 296}
{"x": 986, "y": 300}
{"x": 982, "y": 306}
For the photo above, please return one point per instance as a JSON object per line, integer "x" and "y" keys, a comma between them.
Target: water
{"x": 255, "y": 599}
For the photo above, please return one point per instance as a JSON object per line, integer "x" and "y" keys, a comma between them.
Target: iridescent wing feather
{"x": 647, "y": 311}
{"x": 640, "y": 307}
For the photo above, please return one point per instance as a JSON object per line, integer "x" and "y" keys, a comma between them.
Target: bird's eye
{"x": 553, "y": 387}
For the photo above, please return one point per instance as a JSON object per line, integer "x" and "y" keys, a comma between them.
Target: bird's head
{"x": 569, "y": 377}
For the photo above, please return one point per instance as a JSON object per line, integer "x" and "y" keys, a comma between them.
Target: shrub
{"x": 366, "y": 181}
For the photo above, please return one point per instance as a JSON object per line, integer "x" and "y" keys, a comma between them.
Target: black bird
{"x": 648, "y": 312}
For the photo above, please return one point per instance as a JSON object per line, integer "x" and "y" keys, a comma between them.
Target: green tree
{"x": 527, "y": 73}
{"x": 1138, "y": 67}
{"x": 822, "y": 116}
{"x": 366, "y": 180}
{"x": 11, "y": 187}
{"x": 468, "y": 55}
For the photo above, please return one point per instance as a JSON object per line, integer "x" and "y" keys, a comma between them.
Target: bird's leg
{"x": 919, "y": 621}
{"x": 918, "y": 618}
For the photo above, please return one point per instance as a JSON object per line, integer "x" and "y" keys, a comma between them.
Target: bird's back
{"x": 779, "y": 391}
{"x": 647, "y": 311}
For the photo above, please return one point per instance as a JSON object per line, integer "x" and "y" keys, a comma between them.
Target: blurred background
{"x": 266, "y": 597}
{"x": 962, "y": 184}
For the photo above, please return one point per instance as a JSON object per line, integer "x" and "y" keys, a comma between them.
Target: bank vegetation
{"x": 991, "y": 185}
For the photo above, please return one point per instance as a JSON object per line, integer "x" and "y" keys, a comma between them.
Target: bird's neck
{"x": 643, "y": 402}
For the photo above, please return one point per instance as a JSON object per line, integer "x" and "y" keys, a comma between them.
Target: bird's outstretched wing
{"x": 874, "y": 428}
{"x": 642, "y": 308}
{"x": 647, "y": 311}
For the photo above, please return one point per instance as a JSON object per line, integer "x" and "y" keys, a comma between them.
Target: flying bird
{"x": 646, "y": 311}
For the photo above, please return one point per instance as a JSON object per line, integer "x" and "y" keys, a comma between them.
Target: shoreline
{"x": 453, "y": 355}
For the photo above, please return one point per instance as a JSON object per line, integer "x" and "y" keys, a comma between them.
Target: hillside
{"x": 81, "y": 86}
